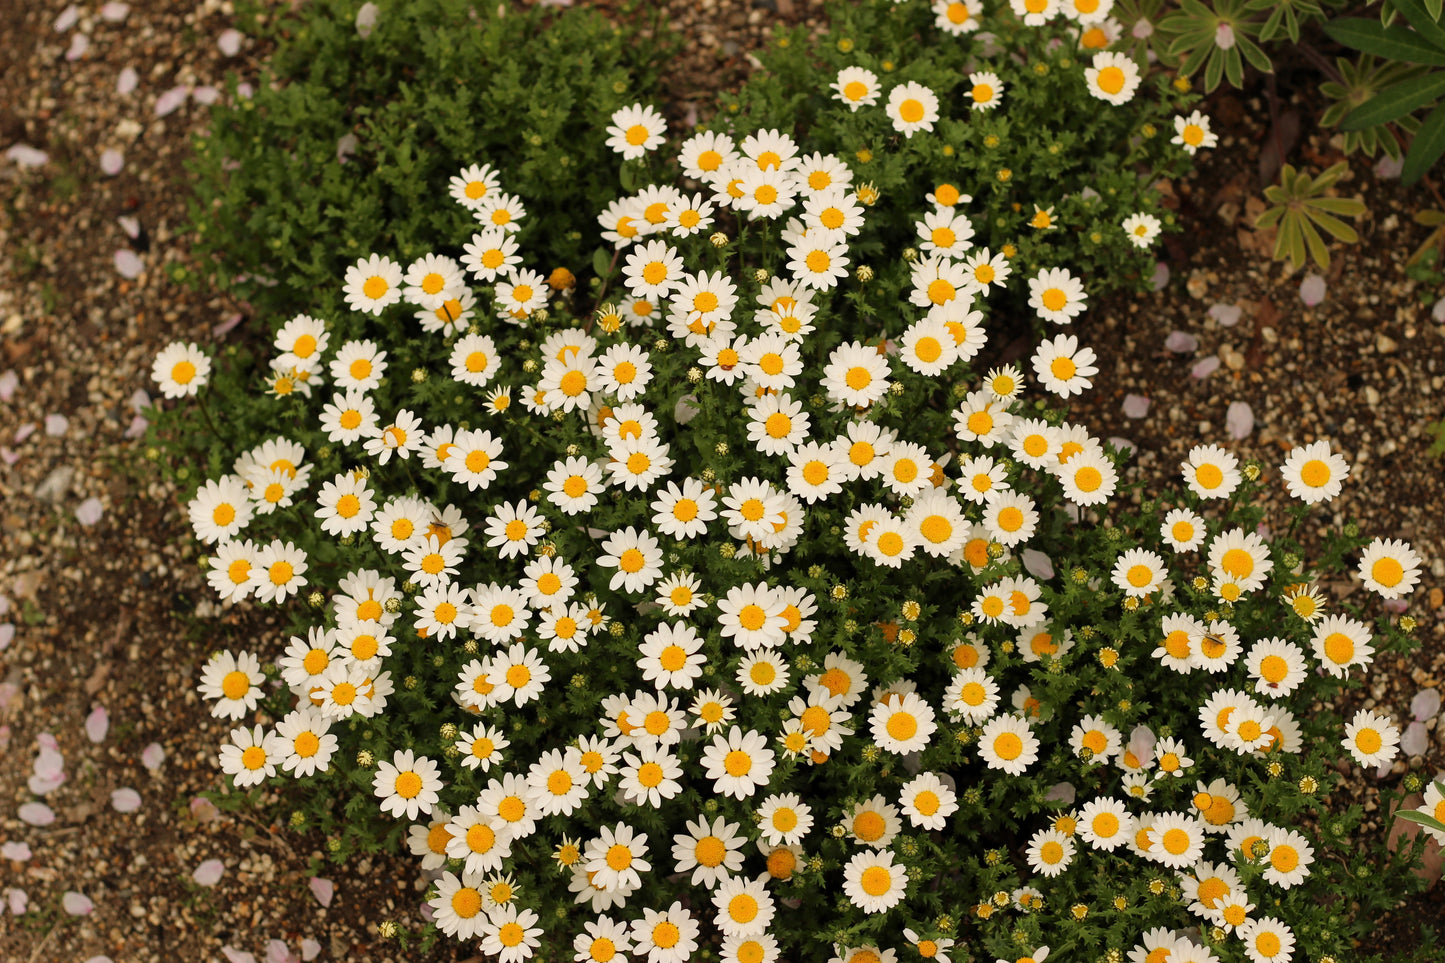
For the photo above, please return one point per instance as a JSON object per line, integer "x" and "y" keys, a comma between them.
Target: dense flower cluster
{"x": 755, "y": 618}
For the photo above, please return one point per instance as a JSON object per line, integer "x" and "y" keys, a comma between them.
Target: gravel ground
{"x": 110, "y": 739}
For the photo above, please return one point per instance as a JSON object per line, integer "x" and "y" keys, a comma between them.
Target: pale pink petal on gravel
{"x": 1226, "y": 314}
{"x": 79, "y": 44}
{"x": 1204, "y": 367}
{"x": 128, "y": 263}
{"x": 1063, "y": 792}
{"x": 1438, "y": 311}
{"x": 24, "y": 431}
{"x": 112, "y": 162}
{"x": 206, "y": 95}
{"x": 114, "y": 12}
{"x": 1239, "y": 420}
{"x": 152, "y": 756}
{"x": 46, "y": 784}
{"x": 9, "y": 381}
{"x": 100, "y": 959}
{"x": 130, "y": 225}
{"x": 229, "y": 42}
{"x": 1181, "y": 342}
{"x": 26, "y": 156}
{"x": 97, "y": 724}
{"x": 310, "y": 950}
{"x": 137, "y": 427}
{"x": 7, "y": 634}
{"x": 1416, "y": 739}
{"x": 19, "y": 901}
{"x": 1397, "y": 606}
{"x": 8, "y": 456}
{"x": 1037, "y": 564}
{"x": 203, "y": 810}
{"x": 1312, "y": 290}
{"x": 125, "y": 800}
{"x": 171, "y": 101}
{"x": 225, "y": 327}
{"x": 67, "y": 18}
{"x": 279, "y": 952}
{"x": 127, "y": 81}
{"x": 244, "y": 90}
{"x": 1388, "y": 168}
{"x": 89, "y": 512}
{"x": 323, "y": 890}
{"x": 427, "y": 913}
{"x": 1136, "y": 406}
{"x": 76, "y": 904}
{"x": 19, "y": 852}
{"x": 1160, "y": 280}
{"x": 1425, "y": 704}
{"x": 209, "y": 873}
{"x": 237, "y": 956}
{"x": 56, "y": 425}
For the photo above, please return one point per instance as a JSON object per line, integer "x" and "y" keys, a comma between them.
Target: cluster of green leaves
{"x": 1049, "y": 144}
{"x": 1302, "y": 208}
{"x": 437, "y": 85}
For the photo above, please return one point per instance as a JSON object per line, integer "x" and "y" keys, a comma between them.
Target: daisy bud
{"x": 333, "y": 845}
{"x": 364, "y": 759}
{"x": 540, "y": 315}
{"x": 1407, "y": 624}
{"x": 761, "y": 275}
{"x": 719, "y": 239}
{"x": 418, "y": 375}
{"x": 297, "y": 820}
{"x": 864, "y": 273}
{"x": 387, "y": 929}
{"x": 910, "y": 254}
{"x": 449, "y": 731}
{"x": 316, "y": 600}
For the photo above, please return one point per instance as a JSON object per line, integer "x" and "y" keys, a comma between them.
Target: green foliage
{"x": 1217, "y": 39}
{"x": 1303, "y": 207}
{"x": 1359, "y": 81}
{"x": 1395, "y": 99}
{"x": 1048, "y": 145}
{"x": 437, "y": 85}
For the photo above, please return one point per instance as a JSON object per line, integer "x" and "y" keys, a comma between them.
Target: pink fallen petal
{"x": 346, "y": 146}
{"x": 140, "y": 400}
{"x": 112, "y": 162}
{"x": 100, "y": 959}
{"x": 1224, "y": 36}
{"x": 322, "y": 889}
{"x": 1239, "y": 420}
{"x": 79, "y": 44}
{"x": 19, "y": 852}
{"x": 9, "y": 694}
{"x": 97, "y": 724}
{"x": 19, "y": 901}
{"x": 8, "y": 456}
{"x": 279, "y": 952}
{"x": 171, "y": 101}
{"x": 67, "y": 18}
{"x": 26, "y": 156}
{"x": 1438, "y": 311}
{"x": 1136, "y": 406}
{"x": 427, "y": 913}
{"x": 152, "y": 756}
{"x": 1397, "y": 606}
{"x": 206, "y": 95}
{"x": 125, "y": 800}
{"x": 7, "y": 634}
{"x": 9, "y": 381}
{"x": 366, "y": 19}
{"x": 47, "y": 741}
{"x": 1142, "y": 29}
{"x": 1204, "y": 367}
{"x": 1063, "y": 792}
{"x": 128, "y": 263}
{"x": 127, "y": 81}
{"x": 4, "y": 604}
{"x": 225, "y": 327}
{"x": 114, "y": 12}
{"x": 130, "y": 225}
{"x": 310, "y": 949}
{"x": 44, "y": 785}
{"x": 229, "y": 42}
{"x": 49, "y": 762}
{"x": 245, "y": 90}
{"x": 24, "y": 431}
{"x": 76, "y": 904}
{"x": 203, "y": 810}
{"x": 137, "y": 427}
{"x": 1425, "y": 704}
{"x": 1181, "y": 342}
{"x": 237, "y": 956}
{"x": 1160, "y": 280}
{"x": 1312, "y": 290}
{"x": 1226, "y": 314}
{"x": 1415, "y": 740}
{"x": 89, "y": 512}
{"x": 1037, "y": 564}
{"x": 56, "y": 425}
{"x": 1388, "y": 168}
{"x": 209, "y": 873}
